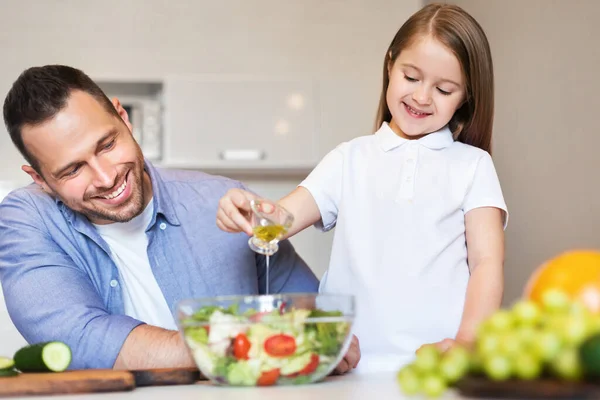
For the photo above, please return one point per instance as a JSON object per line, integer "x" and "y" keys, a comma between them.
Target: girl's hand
{"x": 234, "y": 211}
{"x": 445, "y": 345}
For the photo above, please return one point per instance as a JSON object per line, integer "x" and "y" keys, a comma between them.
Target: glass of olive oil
{"x": 270, "y": 222}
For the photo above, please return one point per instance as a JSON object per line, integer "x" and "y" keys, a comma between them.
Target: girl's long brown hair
{"x": 458, "y": 31}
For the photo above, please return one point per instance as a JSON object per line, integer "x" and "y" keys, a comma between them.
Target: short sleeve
{"x": 485, "y": 190}
{"x": 325, "y": 185}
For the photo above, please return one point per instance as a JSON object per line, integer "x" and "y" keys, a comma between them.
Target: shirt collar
{"x": 163, "y": 204}
{"x": 388, "y": 139}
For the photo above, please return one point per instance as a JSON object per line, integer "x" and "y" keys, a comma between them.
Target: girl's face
{"x": 426, "y": 87}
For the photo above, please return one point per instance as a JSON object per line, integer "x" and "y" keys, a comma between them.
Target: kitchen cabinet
{"x": 235, "y": 122}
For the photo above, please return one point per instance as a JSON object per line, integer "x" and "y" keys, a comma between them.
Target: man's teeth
{"x": 116, "y": 192}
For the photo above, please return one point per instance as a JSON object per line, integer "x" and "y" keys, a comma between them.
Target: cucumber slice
{"x": 6, "y": 363}
{"x": 43, "y": 357}
{"x": 8, "y": 372}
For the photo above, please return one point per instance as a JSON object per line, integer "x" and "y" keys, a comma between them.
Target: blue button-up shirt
{"x": 60, "y": 282}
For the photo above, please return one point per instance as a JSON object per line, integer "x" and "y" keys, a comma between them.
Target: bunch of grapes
{"x": 524, "y": 342}
{"x": 530, "y": 339}
{"x": 433, "y": 371}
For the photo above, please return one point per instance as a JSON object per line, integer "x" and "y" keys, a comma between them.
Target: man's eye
{"x": 109, "y": 145}
{"x": 74, "y": 171}
{"x": 408, "y": 78}
{"x": 445, "y": 93}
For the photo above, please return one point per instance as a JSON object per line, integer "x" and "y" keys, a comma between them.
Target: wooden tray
{"x": 480, "y": 387}
{"x": 94, "y": 381}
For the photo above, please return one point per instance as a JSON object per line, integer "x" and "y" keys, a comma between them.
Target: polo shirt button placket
{"x": 406, "y": 191}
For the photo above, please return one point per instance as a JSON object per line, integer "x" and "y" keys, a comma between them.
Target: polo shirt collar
{"x": 389, "y": 140}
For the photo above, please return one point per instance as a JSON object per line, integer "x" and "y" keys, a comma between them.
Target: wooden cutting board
{"x": 480, "y": 387}
{"x": 93, "y": 381}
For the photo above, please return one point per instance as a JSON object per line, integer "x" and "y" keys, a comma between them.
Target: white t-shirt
{"x": 142, "y": 297}
{"x": 399, "y": 209}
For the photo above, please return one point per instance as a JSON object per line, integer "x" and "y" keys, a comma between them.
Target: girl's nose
{"x": 422, "y": 95}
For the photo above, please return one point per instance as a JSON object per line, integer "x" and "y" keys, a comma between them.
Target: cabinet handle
{"x": 242, "y": 155}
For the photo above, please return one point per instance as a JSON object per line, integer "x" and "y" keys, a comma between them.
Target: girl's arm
{"x": 303, "y": 207}
{"x": 485, "y": 246}
{"x": 234, "y": 211}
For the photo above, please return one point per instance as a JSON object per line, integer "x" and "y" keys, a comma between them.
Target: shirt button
{"x": 408, "y": 179}
{"x": 410, "y": 160}
{"x": 163, "y": 226}
{"x": 114, "y": 283}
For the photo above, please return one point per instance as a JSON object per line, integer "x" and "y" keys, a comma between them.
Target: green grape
{"x": 547, "y": 346}
{"x": 555, "y": 301}
{"x": 488, "y": 344}
{"x": 409, "y": 380}
{"x": 500, "y": 321}
{"x": 427, "y": 359}
{"x": 526, "y": 312}
{"x": 575, "y": 330}
{"x": 579, "y": 309}
{"x": 510, "y": 344}
{"x": 526, "y": 366}
{"x": 460, "y": 354}
{"x": 566, "y": 364}
{"x": 497, "y": 367}
{"x": 454, "y": 364}
{"x": 527, "y": 335}
{"x": 433, "y": 385}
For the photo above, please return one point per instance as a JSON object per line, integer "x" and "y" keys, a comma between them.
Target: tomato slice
{"x": 241, "y": 346}
{"x": 312, "y": 365}
{"x": 309, "y": 369}
{"x": 280, "y": 345}
{"x": 282, "y": 307}
{"x": 268, "y": 378}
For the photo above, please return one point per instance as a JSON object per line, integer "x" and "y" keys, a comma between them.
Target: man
{"x": 100, "y": 249}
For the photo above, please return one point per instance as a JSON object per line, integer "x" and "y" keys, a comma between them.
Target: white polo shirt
{"x": 400, "y": 247}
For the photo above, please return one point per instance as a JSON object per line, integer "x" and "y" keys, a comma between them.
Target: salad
{"x": 252, "y": 348}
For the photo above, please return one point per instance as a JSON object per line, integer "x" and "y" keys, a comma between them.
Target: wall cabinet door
{"x": 212, "y": 121}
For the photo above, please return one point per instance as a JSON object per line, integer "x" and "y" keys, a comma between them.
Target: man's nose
{"x": 104, "y": 175}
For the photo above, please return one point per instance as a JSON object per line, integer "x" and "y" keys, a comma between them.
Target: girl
{"x": 418, "y": 207}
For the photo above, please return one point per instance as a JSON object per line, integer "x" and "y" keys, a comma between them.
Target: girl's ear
{"x": 390, "y": 63}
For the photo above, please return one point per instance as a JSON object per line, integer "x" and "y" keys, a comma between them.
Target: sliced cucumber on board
{"x": 43, "y": 357}
{"x": 6, "y": 364}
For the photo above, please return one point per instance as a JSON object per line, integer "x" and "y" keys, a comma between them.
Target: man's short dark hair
{"x": 39, "y": 93}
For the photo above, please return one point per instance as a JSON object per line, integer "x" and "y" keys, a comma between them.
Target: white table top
{"x": 351, "y": 386}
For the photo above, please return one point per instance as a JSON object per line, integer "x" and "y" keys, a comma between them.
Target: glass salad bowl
{"x": 285, "y": 339}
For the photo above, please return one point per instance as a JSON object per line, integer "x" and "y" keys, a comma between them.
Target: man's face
{"x": 89, "y": 160}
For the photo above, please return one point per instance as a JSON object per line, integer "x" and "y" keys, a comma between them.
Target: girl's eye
{"x": 444, "y": 92}
{"x": 408, "y": 78}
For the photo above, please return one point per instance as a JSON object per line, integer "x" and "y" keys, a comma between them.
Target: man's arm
{"x": 48, "y": 296}
{"x": 152, "y": 347}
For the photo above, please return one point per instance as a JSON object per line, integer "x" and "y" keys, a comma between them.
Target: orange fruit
{"x": 576, "y": 273}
